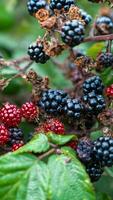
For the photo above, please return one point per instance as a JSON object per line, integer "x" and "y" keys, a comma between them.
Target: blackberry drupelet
{"x": 15, "y": 135}
{"x": 73, "y": 108}
{"x": 104, "y": 25}
{"x": 105, "y": 60}
{"x": 103, "y": 151}
{"x": 73, "y": 32}
{"x": 34, "y": 5}
{"x": 93, "y": 83}
{"x": 84, "y": 150}
{"x": 37, "y": 54}
{"x": 59, "y": 4}
{"x": 53, "y": 101}
{"x": 85, "y": 17}
{"x": 94, "y": 104}
{"x": 94, "y": 171}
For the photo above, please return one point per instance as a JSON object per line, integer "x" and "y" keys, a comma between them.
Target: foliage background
{"x": 17, "y": 31}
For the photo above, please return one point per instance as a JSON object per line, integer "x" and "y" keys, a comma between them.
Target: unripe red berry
{"x": 4, "y": 135}
{"x": 29, "y": 111}
{"x": 55, "y": 126}
{"x": 109, "y": 91}
{"x": 10, "y": 115}
{"x": 17, "y": 145}
{"x": 72, "y": 144}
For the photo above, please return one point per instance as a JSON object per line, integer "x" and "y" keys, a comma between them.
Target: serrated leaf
{"x": 23, "y": 177}
{"x": 60, "y": 139}
{"x": 38, "y": 144}
{"x": 68, "y": 179}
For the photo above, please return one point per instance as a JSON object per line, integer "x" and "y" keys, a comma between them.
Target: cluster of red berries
{"x": 10, "y": 118}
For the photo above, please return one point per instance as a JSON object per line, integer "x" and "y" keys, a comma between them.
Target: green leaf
{"x": 102, "y": 196}
{"x": 68, "y": 179}
{"x": 109, "y": 171}
{"x": 37, "y": 145}
{"x": 23, "y": 177}
{"x": 96, "y": 134}
{"x": 95, "y": 49}
{"x": 60, "y": 139}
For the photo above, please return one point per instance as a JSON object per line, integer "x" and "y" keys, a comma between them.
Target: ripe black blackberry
{"x": 73, "y": 32}
{"x": 93, "y": 83}
{"x": 53, "y": 101}
{"x": 37, "y": 54}
{"x": 84, "y": 150}
{"x": 105, "y": 60}
{"x": 94, "y": 171}
{"x": 103, "y": 151}
{"x": 34, "y": 5}
{"x": 104, "y": 25}
{"x": 73, "y": 108}
{"x": 94, "y": 104}
{"x": 15, "y": 135}
{"x": 59, "y": 4}
{"x": 85, "y": 17}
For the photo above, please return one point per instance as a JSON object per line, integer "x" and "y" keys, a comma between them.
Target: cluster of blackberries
{"x": 96, "y": 155}
{"x": 57, "y": 102}
{"x": 59, "y": 4}
{"x": 35, "y": 5}
{"x": 104, "y": 60}
{"x": 10, "y": 118}
{"x": 37, "y": 53}
{"x": 93, "y": 98}
{"x": 104, "y": 25}
{"x": 72, "y": 31}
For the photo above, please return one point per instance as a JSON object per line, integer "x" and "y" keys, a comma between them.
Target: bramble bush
{"x": 56, "y": 112}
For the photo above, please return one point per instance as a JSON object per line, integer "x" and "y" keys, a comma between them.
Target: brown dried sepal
{"x": 39, "y": 84}
{"x": 107, "y": 132}
{"x": 106, "y": 118}
{"x": 85, "y": 63}
{"x": 53, "y": 48}
{"x": 49, "y": 23}
{"x": 42, "y": 15}
{"x": 74, "y": 13}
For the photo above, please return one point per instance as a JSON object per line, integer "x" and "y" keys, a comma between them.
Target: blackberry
{"x": 53, "y": 101}
{"x": 84, "y": 150}
{"x": 104, "y": 25}
{"x": 94, "y": 104}
{"x": 73, "y": 32}
{"x": 85, "y": 17}
{"x": 105, "y": 60}
{"x": 34, "y": 5}
{"x": 94, "y": 171}
{"x": 93, "y": 83}
{"x": 37, "y": 54}
{"x": 15, "y": 135}
{"x": 59, "y": 4}
{"x": 73, "y": 108}
{"x": 103, "y": 151}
